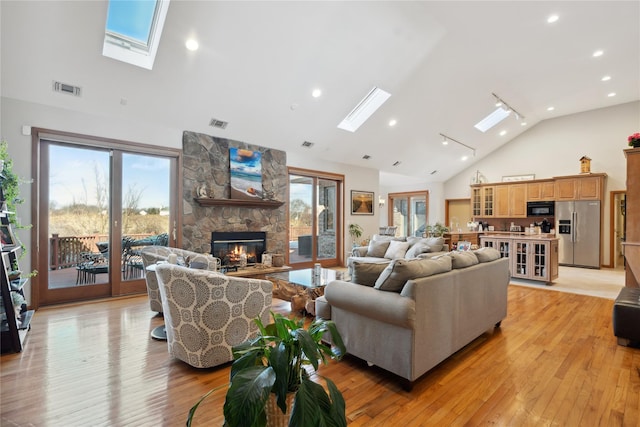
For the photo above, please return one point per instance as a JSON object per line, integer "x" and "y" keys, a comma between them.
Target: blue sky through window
{"x": 131, "y": 18}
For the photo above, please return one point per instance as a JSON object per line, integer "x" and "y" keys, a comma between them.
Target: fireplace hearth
{"x": 238, "y": 249}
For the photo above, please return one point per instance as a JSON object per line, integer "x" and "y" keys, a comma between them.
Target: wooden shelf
{"x": 267, "y": 204}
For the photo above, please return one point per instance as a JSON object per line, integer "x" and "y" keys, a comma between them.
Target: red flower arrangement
{"x": 634, "y": 140}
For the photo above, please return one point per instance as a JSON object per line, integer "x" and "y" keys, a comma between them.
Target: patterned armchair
{"x": 206, "y": 313}
{"x": 152, "y": 254}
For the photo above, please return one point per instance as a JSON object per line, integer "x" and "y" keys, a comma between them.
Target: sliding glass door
{"x": 409, "y": 212}
{"x": 315, "y": 209}
{"x": 100, "y": 204}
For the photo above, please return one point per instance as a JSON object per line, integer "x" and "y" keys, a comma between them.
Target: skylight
{"x": 133, "y": 29}
{"x": 492, "y": 119}
{"x": 365, "y": 108}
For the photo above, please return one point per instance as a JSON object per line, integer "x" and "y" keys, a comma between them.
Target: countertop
{"x": 520, "y": 236}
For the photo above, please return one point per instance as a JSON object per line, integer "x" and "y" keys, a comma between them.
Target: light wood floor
{"x": 554, "y": 361}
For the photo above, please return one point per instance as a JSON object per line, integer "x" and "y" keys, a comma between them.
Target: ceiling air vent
{"x": 366, "y": 157}
{"x": 65, "y": 88}
{"x": 397, "y": 163}
{"x": 218, "y": 123}
{"x": 307, "y": 144}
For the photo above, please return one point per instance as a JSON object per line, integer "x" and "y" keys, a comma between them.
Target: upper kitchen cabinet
{"x": 541, "y": 190}
{"x": 482, "y": 201}
{"x": 511, "y": 201}
{"x": 580, "y": 187}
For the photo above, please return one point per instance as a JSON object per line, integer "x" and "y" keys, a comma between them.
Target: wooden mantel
{"x": 266, "y": 204}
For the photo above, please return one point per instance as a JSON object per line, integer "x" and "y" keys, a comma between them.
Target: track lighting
{"x": 502, "y": 111}
{"x": 446, "y": 139}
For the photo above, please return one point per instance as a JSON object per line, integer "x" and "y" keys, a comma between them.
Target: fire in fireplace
{"x": 237, "y": 248}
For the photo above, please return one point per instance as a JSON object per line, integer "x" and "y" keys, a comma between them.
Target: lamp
{"x": 381, "y": 202}
{"x": 446, "y": 139}
{"x": 500, "y": 102}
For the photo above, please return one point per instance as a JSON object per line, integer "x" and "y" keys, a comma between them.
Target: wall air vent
{"x": 218, "y": 123}
{"x": 366, "y": 157}
{"x": 65, "y": 88}
{"x": 307, "y": 144}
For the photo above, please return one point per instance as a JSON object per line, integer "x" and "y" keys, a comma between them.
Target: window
{"x": 133, "y": 29}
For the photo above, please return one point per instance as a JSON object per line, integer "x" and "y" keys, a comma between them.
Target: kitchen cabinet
{"x": 530, "y": 257}
{"x": 511, "y": 201}
{"x": 472, "y": 237}
{"x": 502, "y": 245}
{"x": 589, "y": 187}
{"x": 541, "y": 191}
{"x": 482, "y": 201}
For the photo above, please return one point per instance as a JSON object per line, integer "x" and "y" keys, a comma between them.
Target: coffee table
{"x": 301, "y": 288}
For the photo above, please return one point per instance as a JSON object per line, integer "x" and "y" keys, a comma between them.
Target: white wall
{"x": 553, "y": 148}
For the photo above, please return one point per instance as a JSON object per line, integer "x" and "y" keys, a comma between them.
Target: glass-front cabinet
{"x": 482, "y": 201}
{"x": 533, "y": 259}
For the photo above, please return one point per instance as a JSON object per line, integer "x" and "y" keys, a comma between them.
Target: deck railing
{"x": 67, "y": 251}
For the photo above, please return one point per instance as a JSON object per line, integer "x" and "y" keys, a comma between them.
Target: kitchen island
{"x": 532, "y": 256}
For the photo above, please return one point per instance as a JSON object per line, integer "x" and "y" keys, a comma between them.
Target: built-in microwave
{"x": 540, "y": 208}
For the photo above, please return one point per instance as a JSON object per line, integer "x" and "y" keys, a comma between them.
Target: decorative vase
{"x": 275, "y": 416}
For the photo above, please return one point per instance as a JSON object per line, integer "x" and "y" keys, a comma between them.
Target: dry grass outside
{"x": 82, "y": 222}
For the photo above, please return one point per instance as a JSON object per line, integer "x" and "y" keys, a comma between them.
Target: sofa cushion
{"x": 487, "y": 254}
{"x": 366, "y": 273}
{"x": 435, "y": 243}
{"x": 417, "y": 249}
{"x": 396, "y": 274}
{"x": 396, "y": 249}
{"x": 377, "y": 248}
{"x": 463, "y": 259}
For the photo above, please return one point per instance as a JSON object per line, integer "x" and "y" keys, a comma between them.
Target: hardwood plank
{"x": 553, "y": 361}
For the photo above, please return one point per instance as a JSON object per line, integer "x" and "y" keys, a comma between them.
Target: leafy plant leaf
{"x": 247, "y": 395}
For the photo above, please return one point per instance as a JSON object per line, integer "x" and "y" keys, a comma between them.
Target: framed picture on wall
{"x": 361, "y": 202}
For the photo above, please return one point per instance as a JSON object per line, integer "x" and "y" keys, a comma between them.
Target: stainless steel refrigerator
{"x": 578, "y": 228}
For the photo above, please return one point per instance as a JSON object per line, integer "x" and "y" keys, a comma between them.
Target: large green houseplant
{"x": 274, "y": 365}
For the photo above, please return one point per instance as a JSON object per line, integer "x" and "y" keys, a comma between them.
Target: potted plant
{"x": 271, "y": 370}
{"x": 355, "y": 231}
{"x": 436, "y": 230}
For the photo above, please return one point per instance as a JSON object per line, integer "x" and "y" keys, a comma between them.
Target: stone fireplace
{"x": 238, "y": 248}
{"x": 206, "y": 170}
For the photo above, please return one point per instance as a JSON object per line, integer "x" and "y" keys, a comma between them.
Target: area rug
{"x": 603, "y": 283}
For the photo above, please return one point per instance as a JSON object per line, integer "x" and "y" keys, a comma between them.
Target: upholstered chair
{"x": 207, "y": 313}
{"x": 152, "y": 254}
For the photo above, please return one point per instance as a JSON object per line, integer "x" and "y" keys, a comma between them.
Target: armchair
{"x": 152, "y": 254}
{"x": 206, "y": 313}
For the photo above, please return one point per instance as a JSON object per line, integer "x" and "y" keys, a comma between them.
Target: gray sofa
{"x": 418, "y": 312}
{"x": 384, "y": 249}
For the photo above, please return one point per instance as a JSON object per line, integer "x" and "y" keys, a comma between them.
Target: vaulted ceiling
{"x": 258, "y": 63}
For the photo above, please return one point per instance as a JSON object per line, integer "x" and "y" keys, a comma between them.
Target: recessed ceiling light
{"x": 192, "y": 44}
{"x": 611, "y": 94}
{"x": 606, "y": 78}
{"x": 523, "y": 124}
{"x": 598, "y": 53}
{"x": 553, "y": 18}
{"x": 316, "y": 93}
{"x": 551, "y": 108}
{"x": 464, "y": 158}
{"x": 393, "y": 122}
{"x": 503, "y": 132}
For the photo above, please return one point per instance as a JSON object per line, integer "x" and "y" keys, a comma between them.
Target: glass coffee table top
{"x": 305, "y": 277}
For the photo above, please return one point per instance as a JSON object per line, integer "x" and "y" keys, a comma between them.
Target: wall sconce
{"x": 381, "y": 202}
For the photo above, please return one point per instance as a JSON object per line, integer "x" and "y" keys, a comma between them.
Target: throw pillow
{"x": 417, "y": 249}
{"x": 396, "y": 274}
{"x": 396, "y": 249}
{"x": 487, "y": 254}
{"x": 463, "y": 259}
{"x": 377, "y": 248}
{"x": 436, "y": 243}
{"x": 366, "y": 273}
